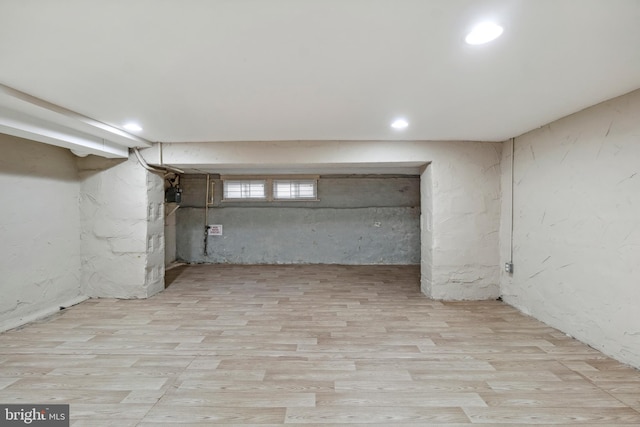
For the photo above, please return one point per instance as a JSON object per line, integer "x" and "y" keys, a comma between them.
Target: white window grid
{"x": 241, "y": 189}
{"x": 295, "y": 189}
{"x": 270, "y": 188}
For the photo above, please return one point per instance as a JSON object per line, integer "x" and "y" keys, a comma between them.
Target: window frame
{"x": 244, "y": 199}
{"x": 274, "y": 184}
{"x": 269, "y": 181}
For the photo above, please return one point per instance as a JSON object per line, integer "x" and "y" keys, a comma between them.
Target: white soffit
{"x": 82, "y": 144}
{"x": 25, "y": 116}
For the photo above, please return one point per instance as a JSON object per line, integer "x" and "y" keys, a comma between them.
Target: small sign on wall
{"x": 215, "y": 230}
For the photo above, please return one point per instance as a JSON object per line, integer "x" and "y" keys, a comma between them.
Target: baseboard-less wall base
{"x": 8, "y": 324}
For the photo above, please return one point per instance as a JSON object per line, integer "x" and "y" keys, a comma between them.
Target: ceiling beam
{"x": 24, "y": 126}
{"x": 45, "y": 113}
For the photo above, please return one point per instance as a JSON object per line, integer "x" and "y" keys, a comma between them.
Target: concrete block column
{"x": 122, "y": 233}
{"x": 426, "y": 231}
{"x": 460, "y": 203}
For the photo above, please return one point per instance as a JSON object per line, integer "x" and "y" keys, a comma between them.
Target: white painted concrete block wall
{"x": 577, "y": 226}
{"x": 39, "y": 231}
{"x": 465, "y": 222}
{"x": 122, "y": 229}
{"x": 154, "y": 271}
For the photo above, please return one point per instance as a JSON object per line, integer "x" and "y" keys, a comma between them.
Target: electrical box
{"x": 508, "y": 267}
{"x": 173, "y": 195}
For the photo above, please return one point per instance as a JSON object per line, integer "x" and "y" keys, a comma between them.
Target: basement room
{"x": 305, "y": 212}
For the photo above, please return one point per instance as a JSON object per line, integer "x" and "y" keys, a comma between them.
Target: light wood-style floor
{"x": 312, "y": 345}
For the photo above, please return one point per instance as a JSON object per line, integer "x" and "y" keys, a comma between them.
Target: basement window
{"x": 295, "y": 189}
{"x": 267, "y": 188}
{"x": 245, "y": 189}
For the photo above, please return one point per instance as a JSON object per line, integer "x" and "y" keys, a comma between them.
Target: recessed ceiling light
{"x": 399, "y": 124}
{"x": 484, "y": 33}
{"x": 133, "y": 127}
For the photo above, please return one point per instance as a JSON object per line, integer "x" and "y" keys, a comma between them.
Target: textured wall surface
{"x": 426, "y": 232}
{"x": 155, "y": 259}
{"x": 360, "y": 220}
{"x": 466, "y": 221}
{"x": 121, "y": 214}
{"x": 170, "y": 233}
{"x": 577, "y": 226}
{"x": 39, "y": 231}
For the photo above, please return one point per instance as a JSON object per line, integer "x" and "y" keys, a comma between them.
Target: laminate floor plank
{"x": 375, "y": 414}
{"x": 313, "y": 345}
{"x": 546, "y": 416}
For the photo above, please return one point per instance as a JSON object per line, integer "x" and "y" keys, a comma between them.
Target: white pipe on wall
{"x": 161, "y": 169}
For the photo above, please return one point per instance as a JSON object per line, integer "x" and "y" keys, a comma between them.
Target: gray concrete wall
{"x": 170, "y": 233}
{"x": 358, "y": 220}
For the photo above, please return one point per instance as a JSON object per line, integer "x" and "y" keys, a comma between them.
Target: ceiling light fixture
{"x": 484, "y": 33}
{"x": 133, "y": 127}
{"x": 399, "y": 124}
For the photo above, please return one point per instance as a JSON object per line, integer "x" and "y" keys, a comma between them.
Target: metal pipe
{"x": 513, "y": 151}
{"x": 173, "y": 211}
{"x": 206, "y": 217}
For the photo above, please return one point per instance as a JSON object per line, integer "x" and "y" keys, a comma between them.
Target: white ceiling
{"x": 230, "y": 70}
